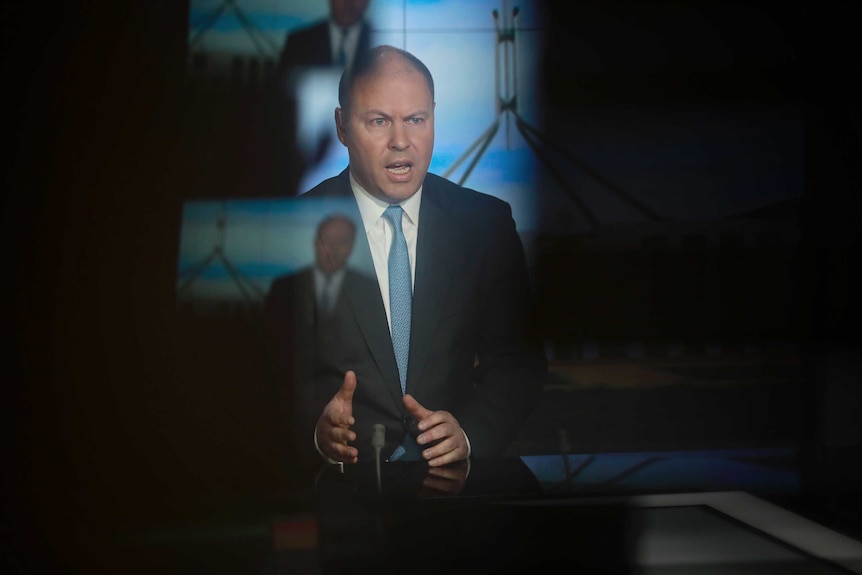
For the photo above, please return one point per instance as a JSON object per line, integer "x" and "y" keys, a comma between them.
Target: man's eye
{"x": 378, "y": 122}
{"x": 415, "y": 121}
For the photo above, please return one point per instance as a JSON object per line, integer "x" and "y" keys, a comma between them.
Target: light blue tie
{"x": 400, "y": 306}
{"x": 400, "y": 293}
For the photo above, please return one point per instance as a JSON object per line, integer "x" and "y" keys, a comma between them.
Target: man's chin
{"x": 398, "y": 192}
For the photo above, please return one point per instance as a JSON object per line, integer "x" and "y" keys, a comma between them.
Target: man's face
{"x": 333, "y": 245}
{"x": 389, "y": 130}
{"x": 347, "y": 12}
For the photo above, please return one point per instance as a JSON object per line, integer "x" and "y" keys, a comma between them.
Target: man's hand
{"x": 438, "y": 425}
{"x": 333, "y": 427}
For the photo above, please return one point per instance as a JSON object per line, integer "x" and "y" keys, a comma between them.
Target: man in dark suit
{"x": 320, "y": 285}
{"x": 304, "y": 309}
{"x": 469, "y": 374}
{"x": 331, "y": 43}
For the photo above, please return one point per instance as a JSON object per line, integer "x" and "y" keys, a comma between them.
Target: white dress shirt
{"x": 326, "y": 288}
{"x": 379, "y": 234}
{"x": 350, "y": 36}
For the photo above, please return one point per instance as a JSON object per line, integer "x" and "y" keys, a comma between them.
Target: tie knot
{"x": 393, "y": 214}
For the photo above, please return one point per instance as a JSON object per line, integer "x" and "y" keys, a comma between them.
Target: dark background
{"x": 113, "y": 411}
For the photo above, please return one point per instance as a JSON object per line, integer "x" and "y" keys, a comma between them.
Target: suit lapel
{"x": 363, "y": 297}
{"x": 366, "y": 305}
{"x": 436, "y": 248}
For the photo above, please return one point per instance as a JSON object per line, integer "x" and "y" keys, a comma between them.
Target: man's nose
{"x": 398, "y": 137}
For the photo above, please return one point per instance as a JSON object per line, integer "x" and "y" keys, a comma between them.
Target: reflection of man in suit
{"x": 471, "y": 374}
{"x": 332, "y": 246}
{"x": 331, "y": 43}
{"x": 302, "y": 309}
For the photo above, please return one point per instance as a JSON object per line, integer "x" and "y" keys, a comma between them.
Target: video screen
{"x": 484, "y": 57}
{"x": 232, "y": 250}
{"x": 655, "y": 181}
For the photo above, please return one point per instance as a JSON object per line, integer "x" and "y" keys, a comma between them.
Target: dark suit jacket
{"x": 311, "y": 47}
{"x": 470, "y": 351}
{"x": 301, "y": 339}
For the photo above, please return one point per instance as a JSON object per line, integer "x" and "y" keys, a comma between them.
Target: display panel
{"x": 231, "y": 250}
{"x": 484, "y": 57}
{"x": 654, "y": 179}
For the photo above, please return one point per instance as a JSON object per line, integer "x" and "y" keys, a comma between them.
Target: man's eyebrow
{"x": 376, "y": 112}
{"x": 381, "y": 113}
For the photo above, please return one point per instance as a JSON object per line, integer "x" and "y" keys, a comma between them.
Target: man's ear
{"x": 339, "y": 126}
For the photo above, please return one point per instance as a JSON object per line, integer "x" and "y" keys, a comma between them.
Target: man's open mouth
{"x": 399, "y": 168}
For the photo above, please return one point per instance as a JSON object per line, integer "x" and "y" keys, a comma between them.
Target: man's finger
{"x": 348, "y": 387}
{"x": 415, "y": 408}
{"x": 442, "y": 447}
{"x": 435, "y": 419}
{"x": 446, "y": 458}
{"x": 343, "y": 436}
{"x": 338, "y": 419}
{"x": 341, "y": 452}
{"x": 433, "y": 432}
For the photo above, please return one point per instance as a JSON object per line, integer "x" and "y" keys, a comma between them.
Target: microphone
{"x": 378, "y": 440}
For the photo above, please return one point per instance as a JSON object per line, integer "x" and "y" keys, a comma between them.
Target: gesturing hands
{"x": 438, "y": 425}
{"x": 333, "y": 426}
{"x": 334, "y": 435}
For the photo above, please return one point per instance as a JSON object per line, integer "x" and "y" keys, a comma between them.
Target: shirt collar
{"x": 336, "y": 31}
{"x": 371, "y": 208}
{"x": 319, "y": 276}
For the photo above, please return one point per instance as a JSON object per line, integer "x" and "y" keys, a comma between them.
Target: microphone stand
{"x": 378, "y": 439}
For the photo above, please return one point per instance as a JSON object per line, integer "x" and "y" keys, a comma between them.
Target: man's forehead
{"x": 390, "y": 66}
{"x": 394, "y": 71}
{"x": 369, "y": 102}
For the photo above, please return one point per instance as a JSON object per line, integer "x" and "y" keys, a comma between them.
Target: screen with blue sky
{"x": 479, "y": 52}
{"x": 457, "y": 41}
{"x": 637, "y": 120}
